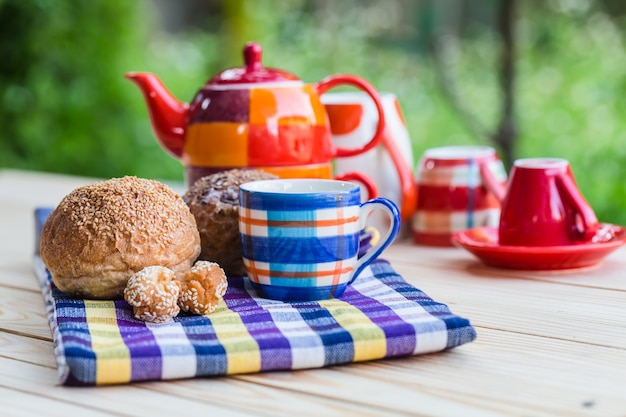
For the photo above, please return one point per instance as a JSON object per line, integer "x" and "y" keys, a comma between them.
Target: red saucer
{"x": 483, "y": 243}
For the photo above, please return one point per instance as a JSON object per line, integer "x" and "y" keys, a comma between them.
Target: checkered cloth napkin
{"x": 380, "y": 315}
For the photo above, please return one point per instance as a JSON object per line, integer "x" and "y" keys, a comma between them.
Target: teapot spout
{"x": 167, "y": 114}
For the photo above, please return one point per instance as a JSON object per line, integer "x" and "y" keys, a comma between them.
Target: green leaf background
{"x": 66, "y": 107}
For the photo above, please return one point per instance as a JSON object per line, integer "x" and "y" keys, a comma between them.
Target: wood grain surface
{"x": 549, "y": 343}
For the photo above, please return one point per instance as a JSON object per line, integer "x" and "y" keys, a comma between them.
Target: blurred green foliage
{"x": 571, "y": 102}
{"x": 66, "y": 107}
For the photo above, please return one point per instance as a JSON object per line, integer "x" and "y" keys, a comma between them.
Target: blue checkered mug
{"x": 300, "y": 237}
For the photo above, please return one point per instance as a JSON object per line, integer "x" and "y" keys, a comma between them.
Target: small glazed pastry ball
{"x": 202, "y": 288}
{"x": 214, "y": 202}
{"x": 153, "y": 294}
{"x": 101, "y": 234}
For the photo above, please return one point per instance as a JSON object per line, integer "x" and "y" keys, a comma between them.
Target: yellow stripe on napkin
{"x": 369, "y": 339}
{"x": 112, "y": 356}
{"x": 242, "y": 351}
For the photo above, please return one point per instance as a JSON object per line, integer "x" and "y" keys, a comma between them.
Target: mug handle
{"x": 340, "y": 79}
{"x": 491, "y": 182}
{"x": 368, "y": 183}
{"x": 387, "y": 237}
{"x": 585, "y": 223}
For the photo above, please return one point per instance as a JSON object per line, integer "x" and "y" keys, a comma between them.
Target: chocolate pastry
{"x": 214, "y": 202}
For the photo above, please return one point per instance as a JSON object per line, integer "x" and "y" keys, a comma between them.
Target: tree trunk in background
{"x": 506, "y": 134}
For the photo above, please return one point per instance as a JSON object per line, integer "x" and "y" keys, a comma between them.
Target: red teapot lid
{"x": 252, "y": 71}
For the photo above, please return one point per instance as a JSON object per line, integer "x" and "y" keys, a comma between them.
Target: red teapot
{"x": 254, "y": 117}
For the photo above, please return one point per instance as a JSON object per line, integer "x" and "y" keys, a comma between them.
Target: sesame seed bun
{"x": 102, "y": 234}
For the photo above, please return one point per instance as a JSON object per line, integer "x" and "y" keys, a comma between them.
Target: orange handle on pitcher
{"x": 408, "y": 187}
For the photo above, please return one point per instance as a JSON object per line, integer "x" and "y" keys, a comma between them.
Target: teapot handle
{"x": 368, "y": 183}
{"x": 340, "y": 79}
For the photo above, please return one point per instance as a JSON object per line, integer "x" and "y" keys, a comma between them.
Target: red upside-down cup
{"x": 543, "y": 206}
{"x": 458, "y": 188}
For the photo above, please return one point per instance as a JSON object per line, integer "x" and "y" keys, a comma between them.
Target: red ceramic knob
{"x": 252, "y": 55}
{"x": 252, "y": 71}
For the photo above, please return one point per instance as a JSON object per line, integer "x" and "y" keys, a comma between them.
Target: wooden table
{"x": 549, "y": 344}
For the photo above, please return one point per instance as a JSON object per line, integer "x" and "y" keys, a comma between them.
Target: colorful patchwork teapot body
{"x": 254, "y": 117}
